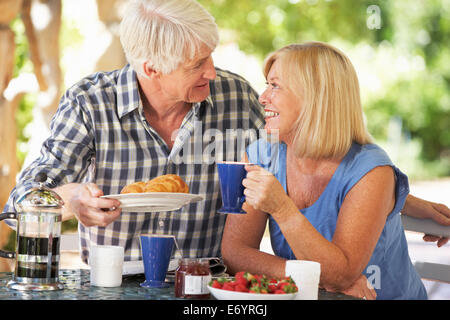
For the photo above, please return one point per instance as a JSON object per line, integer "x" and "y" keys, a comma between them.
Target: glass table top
{"x": 77, "y": 287}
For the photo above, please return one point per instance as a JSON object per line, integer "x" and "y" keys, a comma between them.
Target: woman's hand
{"x": 361, "y": 288}
{"x": 262, "y": 190}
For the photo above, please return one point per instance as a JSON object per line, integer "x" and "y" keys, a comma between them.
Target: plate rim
{"x": 142, "y": 194}
{"x": 181, "y": 199}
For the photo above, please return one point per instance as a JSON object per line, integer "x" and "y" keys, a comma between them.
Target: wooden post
{"x": 9, "y": 9}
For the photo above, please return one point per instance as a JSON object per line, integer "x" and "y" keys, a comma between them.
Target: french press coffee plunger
{"x": 38, "y": 237}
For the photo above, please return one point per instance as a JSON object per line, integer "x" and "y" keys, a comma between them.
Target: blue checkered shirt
{"x": 99, "y": 134}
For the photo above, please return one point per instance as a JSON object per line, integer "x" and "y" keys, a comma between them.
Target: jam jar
{"x": 192, "y": 277}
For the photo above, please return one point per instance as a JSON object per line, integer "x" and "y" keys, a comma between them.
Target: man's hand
{"x": 419, "y": 208}
{"x": 83, "y": 201}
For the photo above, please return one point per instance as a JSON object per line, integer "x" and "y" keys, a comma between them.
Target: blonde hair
{"x": 324, "y": 80}
{"x": 165, "y": 32}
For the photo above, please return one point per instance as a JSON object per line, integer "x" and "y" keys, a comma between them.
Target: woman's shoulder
{"x": 358, "y": 161}
{"x": 367, "y": 155}
{"x": 361, "y": 159}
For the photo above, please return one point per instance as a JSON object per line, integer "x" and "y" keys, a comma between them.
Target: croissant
{"x": 137, "y": 187}
{"x": 164, "y": 183}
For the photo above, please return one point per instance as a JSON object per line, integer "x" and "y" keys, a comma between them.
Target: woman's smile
{"x": 270, "y": 114}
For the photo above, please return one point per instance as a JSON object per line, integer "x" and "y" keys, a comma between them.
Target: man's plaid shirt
{"x": 99, "y": 134}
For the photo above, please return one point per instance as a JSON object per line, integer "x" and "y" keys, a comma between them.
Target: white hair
{"x": 165, "y": 33}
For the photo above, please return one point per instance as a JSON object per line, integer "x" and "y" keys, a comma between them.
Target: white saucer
{"x": 154, "y": 201}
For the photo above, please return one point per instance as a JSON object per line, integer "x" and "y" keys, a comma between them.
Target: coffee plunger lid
{"x": 39, "y": 198}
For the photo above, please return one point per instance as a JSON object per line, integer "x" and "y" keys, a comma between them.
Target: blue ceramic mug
{"x": 156, "y": 253}
{"x": 231, "y": 175}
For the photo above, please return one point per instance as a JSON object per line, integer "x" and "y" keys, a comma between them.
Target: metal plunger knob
{"x": 41, "y": 177}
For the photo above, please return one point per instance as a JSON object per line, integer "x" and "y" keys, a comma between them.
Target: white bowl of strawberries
{"x": 247, "y": 286}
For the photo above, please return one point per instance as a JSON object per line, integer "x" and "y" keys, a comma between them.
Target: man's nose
{"x": 210, "y": 72}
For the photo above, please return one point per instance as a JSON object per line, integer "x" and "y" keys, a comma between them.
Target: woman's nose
{"x": 263, "y": 97}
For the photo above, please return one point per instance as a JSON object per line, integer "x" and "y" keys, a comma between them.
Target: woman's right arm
{"x": 240, "y": 245}
{"x": 240, "y": 251}
{"x": 241, "y": 240}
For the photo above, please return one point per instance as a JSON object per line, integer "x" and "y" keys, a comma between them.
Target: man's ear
{"x": 149, "y": 71}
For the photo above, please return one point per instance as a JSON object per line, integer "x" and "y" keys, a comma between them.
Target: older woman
{"x": 330, "y": 194}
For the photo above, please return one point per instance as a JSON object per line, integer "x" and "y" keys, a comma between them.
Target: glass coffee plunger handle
{"x": 41, "y": 177}
{"x": 3, "y": 216}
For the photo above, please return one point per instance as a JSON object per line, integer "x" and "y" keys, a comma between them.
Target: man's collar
{"x": 199, "y": 107}
{"x": 128, "y": 98}
{"x": 209, "y": 101}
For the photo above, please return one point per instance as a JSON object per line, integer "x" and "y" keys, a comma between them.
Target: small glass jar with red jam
{"x": 192, "y": 277}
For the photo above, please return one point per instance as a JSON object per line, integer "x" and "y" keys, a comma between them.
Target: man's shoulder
{"x": 101, "y": 80}
{"x": 227, "y": 77}
{"x": 233, "y": 94}
{"x": 226, "y": 74}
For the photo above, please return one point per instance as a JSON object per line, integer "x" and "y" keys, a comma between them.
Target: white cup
{"x": 306, "y": 275}
{"x": 106, "y": 264}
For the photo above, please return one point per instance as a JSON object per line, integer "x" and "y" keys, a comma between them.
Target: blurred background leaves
{"x": 405, "y": 43}
{"x": 401, "y": 51}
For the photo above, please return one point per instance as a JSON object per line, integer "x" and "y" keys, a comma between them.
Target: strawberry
{"x": 255, "y": 283}
{"x": 272, "y": 288}
{"x": 240, "y": 278}
{"x": 242, "y": 281}
{"x": 260, "y": 279}
{"x": 241, "y": 288}
{"x": 228, "y": 286}
{"x": 282, "y": 284}
{"x": 216, "y": 284}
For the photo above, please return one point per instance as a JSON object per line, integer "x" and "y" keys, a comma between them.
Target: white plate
{"x": 221, "y": 294}
{"x": 154, "y": 201}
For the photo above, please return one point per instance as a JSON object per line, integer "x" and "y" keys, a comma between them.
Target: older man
{"x": 168, "y": 111}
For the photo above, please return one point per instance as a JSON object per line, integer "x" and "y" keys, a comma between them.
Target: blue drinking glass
{"x": 156, "y": 253}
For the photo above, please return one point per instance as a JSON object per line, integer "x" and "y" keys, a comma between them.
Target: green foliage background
{"x": 419, "y": 100}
